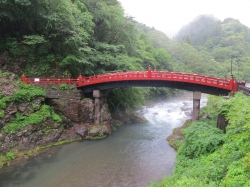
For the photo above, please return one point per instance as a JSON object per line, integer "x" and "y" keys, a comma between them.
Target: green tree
{"x": 38, "y": 28}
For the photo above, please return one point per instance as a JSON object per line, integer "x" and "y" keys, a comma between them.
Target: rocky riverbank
{"x": 30, "y": 121}
{"x": 177, "y": 137}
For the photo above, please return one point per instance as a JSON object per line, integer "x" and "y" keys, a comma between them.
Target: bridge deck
{"x": 154, "y": 78}
{"x": 157, "y": 75}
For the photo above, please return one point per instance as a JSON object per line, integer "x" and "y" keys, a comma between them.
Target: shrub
{"x": 4, "y": 74}
{"x": 1, "y": 113}
{"x": 53, "y": 87}
{"x": 63, "y": 87}
{"x": 101, "y": 133}
{"x": 56, "y": 118}
{"x": 27, "y": 92}
{"x": 10, "y": 156}
{"x": 1, "y": 95}
{"x": 3, "y": 102}
{"x": 200, "y": 139}
{"x": 15, "y": 49}
{"x": 34, "y": 119}
{"x": 72, "y": 87}
{"x": 202, "y": 155}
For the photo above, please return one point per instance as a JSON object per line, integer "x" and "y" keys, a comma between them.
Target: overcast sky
{"x": 169, "y": 16}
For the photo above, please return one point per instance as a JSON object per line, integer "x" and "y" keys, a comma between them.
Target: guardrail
{"x": 44, "y": 81}
{"x": 246, "y": 90}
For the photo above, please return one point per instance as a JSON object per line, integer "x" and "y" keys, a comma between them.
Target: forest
{"x": 65, "y": 38}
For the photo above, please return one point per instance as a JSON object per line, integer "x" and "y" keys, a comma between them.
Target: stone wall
{"x": 80, "y": 112}
{"x": 65, "y": 91}
{"x": 32, "y": 135}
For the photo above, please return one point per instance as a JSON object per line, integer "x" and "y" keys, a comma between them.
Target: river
{"x": 132, "y": 156}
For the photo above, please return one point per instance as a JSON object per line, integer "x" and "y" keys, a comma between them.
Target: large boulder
{"x": 98, "y": 131}
{"x": 137, "y": 118}
{"x": 128, "y": 117}
{"x": 86, "y": 112}
{"x": 75, "y": 110}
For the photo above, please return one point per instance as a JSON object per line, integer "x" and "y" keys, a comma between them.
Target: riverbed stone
{"x": 81, "y": 130}
{"x": 99, "y": 130}
{"x": 137, "y": 118}
{"x": 95, "y": 130}
{"x": 128, "y": 117}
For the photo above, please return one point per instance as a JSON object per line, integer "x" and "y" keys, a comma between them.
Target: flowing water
{"x": 132, "y": 156}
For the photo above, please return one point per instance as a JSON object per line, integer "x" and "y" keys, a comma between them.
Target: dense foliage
{"x": 208, "y": 157}
{"x": 81, "y": 36}
{"x": 215, "y": 45}
{"x": 69, "y": 37}
{"x": 63, "y": 38}
{"x": 33, "y": 119}
{"x": 26, "y": 93}
{"x": 208, "y": 46}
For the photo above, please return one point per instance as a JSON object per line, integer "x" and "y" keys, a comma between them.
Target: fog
{"x": 169, "y": 16}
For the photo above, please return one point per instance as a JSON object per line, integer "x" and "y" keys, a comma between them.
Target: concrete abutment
{"x": 100, "y": 99}
{"x": 196, "y": 105}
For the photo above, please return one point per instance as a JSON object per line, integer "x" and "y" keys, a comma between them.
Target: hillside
{"x": 65, "y": 38}
{"x": 209, "y": 46}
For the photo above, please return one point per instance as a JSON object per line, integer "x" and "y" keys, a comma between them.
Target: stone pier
{"x": 100, "y": 97}
{"x": 196, "y": 105}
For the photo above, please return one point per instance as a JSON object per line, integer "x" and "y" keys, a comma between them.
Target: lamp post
{"x": 238, "y": 71}
{"x": 233, "y": 56}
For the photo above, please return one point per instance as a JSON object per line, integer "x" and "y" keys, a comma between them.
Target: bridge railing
{"x": 155, "y": 75}
{"x": 82, "y": 81}
{"x": 190, "y": 77}
{"x": 193, "y": 78}
{"x": 46, "y": 81}
{"x": 245, "y": 90}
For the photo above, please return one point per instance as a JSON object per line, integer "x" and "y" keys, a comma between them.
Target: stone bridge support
{"x": 196, "y": 105}
{"x": 100, "y": 97}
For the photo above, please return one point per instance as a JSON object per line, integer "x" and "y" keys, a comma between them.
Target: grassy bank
{"x": 208, "y": 157}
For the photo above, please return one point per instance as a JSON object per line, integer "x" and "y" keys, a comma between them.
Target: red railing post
{"x": 149, "y": 71}
{"x": 79, "y": 80}
{"x": 235, "y": 88}
{"x": 224, "y": 81}
{"x": 24, "y": 79}
{"x": 231, "y": 83}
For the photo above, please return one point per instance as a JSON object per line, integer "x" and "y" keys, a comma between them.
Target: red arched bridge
{"x": 185, "y": 81}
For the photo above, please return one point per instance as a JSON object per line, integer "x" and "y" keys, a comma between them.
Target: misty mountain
{"x": 200, "y": 30}
{"x": 208, "y": 33}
